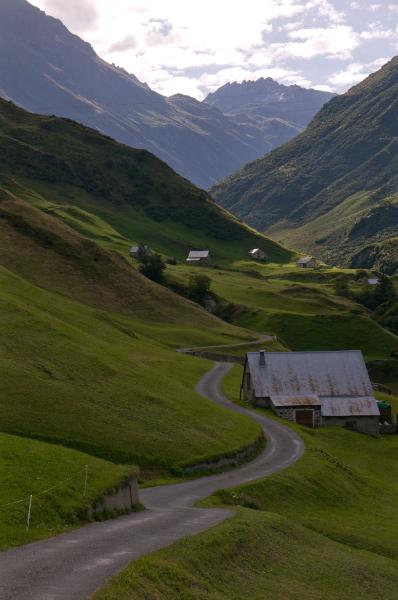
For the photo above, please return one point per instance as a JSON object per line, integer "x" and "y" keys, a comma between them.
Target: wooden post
{"x": 85, "y": 479}
{"x": 29, "y": 514}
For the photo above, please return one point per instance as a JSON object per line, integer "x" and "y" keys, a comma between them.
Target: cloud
{"x": 197, "y": 46}
{"x": 80, "y": 15}
{"x": 127, "y": 43}
{"x": 339, "y": 40}
{"x": 355, "y": 72}
{"x": 375, "y": 7}
{"x": 162, "y": 32}
{"x": 376, "y": 31}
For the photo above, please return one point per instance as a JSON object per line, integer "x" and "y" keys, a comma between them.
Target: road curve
{"x": 74, "y": 565}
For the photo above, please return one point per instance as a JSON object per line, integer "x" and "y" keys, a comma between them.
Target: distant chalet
{"x": 257, "y": 254}
{"x": 196, "y": 257}
{"x": 307, "y": 262}
{"x": 374, "y": 281}
{"x": 313, "y": 388}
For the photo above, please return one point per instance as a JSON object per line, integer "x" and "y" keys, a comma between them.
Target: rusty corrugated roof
{"x": 329, "y": 374}
{"x": 307, "y": 400}
{"x": 365, "y": 406}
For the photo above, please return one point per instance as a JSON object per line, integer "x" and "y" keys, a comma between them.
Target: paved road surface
{"x": 73, "y": 565}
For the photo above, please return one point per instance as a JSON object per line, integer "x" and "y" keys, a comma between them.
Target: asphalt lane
{"x": 74, "y": 565}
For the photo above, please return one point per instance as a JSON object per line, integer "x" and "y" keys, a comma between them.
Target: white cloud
{"x": 193, "y": 47}
{"x": 355, "y": 72}
{"x": 127, "y": 43}
{"x": 336, "y": 40}
{"x": 376, "y": 31}
{"x": 81, "y": 15}
{"x": 375, "y": 7}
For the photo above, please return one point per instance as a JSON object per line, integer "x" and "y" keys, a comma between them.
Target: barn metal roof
{"x": 365, "y": 406}
{"x": 307, "y": 400}
{"x": 329, "y": 374}
{"x": 305, "y": 260}
{"x": 199, "y": 254}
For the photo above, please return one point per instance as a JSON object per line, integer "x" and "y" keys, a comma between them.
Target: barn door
{"x": 305, "y": 417}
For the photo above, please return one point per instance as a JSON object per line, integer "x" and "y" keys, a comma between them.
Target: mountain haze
{"x": 333, "y": 190}
{"x": 46, "y": 69}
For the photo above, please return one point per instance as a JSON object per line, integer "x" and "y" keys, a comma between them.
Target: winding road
{"x": 74, "y": 565}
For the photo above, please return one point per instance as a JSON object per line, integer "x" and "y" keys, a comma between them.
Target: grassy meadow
{"x": 301, "y": 308}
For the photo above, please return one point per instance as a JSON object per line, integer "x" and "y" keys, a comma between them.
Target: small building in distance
{"x": 374, "y": 281}
{"x": 138, "y": 250}
{"x": 307, "y": 262}
{"x": 196, "y": 257}
{"x": 257, "y": 254}
{"x": 313, "y": 388}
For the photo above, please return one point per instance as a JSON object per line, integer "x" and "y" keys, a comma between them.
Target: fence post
{"x": 85, "y": 479}
{"x": 29, "y": 515}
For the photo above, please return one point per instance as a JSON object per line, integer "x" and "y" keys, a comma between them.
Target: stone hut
{"x": 313, "y": 388}
{"x": 307, "y": 262}
{"x": 257, "y": 254}
{"x": 196, "y": 257}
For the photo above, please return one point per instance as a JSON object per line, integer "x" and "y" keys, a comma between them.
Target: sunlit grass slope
{"x": 84, "y": 378}
{"x": 301, "y": 307}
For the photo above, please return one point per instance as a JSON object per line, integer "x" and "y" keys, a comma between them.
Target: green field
{"x": 55, "y": 476}
{"x": 65, "y": 366}
{"x": 323, "y": 528}
{"x": 301, "y": 308}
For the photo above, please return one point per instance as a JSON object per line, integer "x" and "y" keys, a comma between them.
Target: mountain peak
{"x": 270, "y": 99}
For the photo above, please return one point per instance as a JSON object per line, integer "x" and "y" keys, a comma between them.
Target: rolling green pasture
{"x": 301, "y": 308}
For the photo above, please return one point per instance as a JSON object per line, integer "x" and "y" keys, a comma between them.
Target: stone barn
{"x": 198, "y": 257}
{"x": 307, "y": 262}
{"x": 257, "y": 254}
{"x": 313, "y": 388}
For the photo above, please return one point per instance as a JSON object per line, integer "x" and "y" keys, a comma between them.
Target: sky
{"x": 181, "y": 46}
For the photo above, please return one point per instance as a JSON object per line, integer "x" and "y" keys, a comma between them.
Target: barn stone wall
{"x": 289, "y": 413}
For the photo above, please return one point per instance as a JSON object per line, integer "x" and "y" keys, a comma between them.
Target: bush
{"x": 199, "y": 287}
{"x": 152, "y": 266}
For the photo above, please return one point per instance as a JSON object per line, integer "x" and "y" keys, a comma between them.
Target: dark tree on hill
{"x": 152, "y": 266}
{"x": 199, "y": 287}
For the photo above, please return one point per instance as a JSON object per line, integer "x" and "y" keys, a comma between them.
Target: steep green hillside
{"x": 85, "y": 378}
{"x": 114, "y": 194}
{"x": 333, "y": 190}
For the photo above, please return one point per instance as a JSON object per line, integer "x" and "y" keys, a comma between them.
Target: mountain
{"x": 333, "y": 190}
{"x": 88, "y": 343}
{"x": 112, "y": 193}
{"x": 46, "y": 69}
{"x": 268, "y": 102}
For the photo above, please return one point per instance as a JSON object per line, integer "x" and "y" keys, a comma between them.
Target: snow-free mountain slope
{"x": 333, "y": 190}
